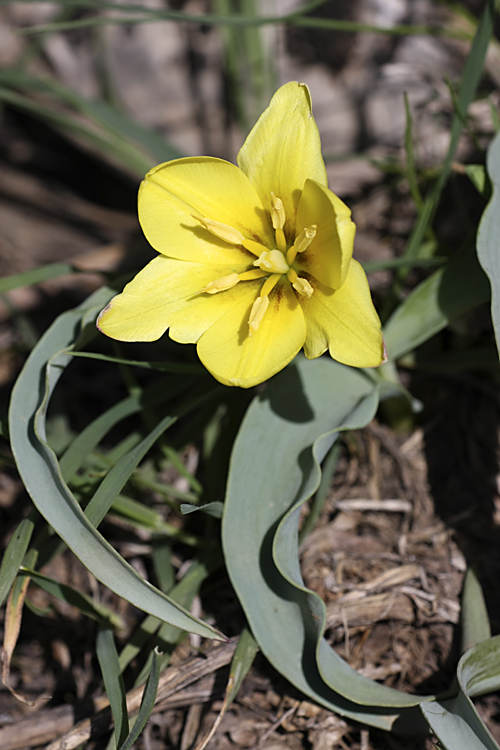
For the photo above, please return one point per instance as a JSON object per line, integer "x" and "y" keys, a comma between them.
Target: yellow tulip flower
{"x": 255, "y": 261}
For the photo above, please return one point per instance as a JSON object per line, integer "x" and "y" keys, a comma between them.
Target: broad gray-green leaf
{"x": 287, "y": 431}
{"x": 445, "y": 295}
{"x": 488, "y": 239}
{"x": 41, "y": 473}
{"x": 456, "y": 722}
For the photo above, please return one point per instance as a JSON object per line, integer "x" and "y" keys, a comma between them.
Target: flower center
{"x": 271, "y": 264}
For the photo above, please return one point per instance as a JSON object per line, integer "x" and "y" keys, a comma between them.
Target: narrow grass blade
{"x": 183, "y": 593}
{"x": 105, "y": 116}
{"x": 123, "y": 153}
{"x": 297, "y": 17}
{"x": 117, "y": 477}
{"x": 173, "y": 367}
{"x": 450, "y": 292}
{"x": 474, "y": 615}
{"x": 14, "y": 554}
{"x": 470, "y": 80}
{"x": 411, "y": 171}
{"x": 74, "y": 598}
{"x": 381, "y": 265}
{"x": 139, "y": 515}
{"x": 213, "y": 509}
{"x": 36, "y": 276}
{"x": 113, "y": 682}
{"x": 147, "y": 703}
{"x": 243, "y": 658}
{"x": 241, "y": 662}
{"x": 161, "y": 557}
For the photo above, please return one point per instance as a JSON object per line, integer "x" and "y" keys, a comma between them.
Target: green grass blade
{"x": 474, "y": 615}
{"x": 147, "y": 703}
{"x": 371, "y": 266}
{"x": 14, "y": 554}
{"x": 470, "y": 80}
{"x": 124, "y": 153}
{"x": 36, "y": 276}
{"x": 411, "y": 171}
{"x": 161, "y": 557}
{"x": 138, "y": 514}
{"x": 113, "y": 682}
{"x": 173, "y": 367}
{"x": 297, "y": 17}
{"x": 75, "y": 598}
{"x": 117, "y": 477}
{"x": 243, "y": 658}
{"x": 169, "y": 636}
{"x": 450, "y": 292}
{"x": 113, "y": 121}
{"x": 91, "y": 436}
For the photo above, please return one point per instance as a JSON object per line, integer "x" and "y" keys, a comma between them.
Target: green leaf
{"x": 489, "y": 232}
{"x": 477, "y": 175}
{"x": 75, "y": 598}
{"x": 14, "y": 554}
{"x": 36, "y": 276}
{"x": 448, "y": 293}
{"x": 117, "y": 477}
{"x": 243, "y": 658}
{"x": 474, "y": 615}
{"x": 91, "y": 436}
{"x": 113, "y": 682}
{"x": 42, "y": 477}
{"x": 213, "y": 509}
{"x": 183, "y": 593}
{"x": 121, "y": 151}
{"x": 147, "y": 703}
{"x": 470, "y": 80}
{"x": 287, "y": 431}
{"x": 456, "y": 722}
{"x": 297, "y": 17}
{"x": 174, "y": 367}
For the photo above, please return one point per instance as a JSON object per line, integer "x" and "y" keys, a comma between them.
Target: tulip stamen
{"x": 301, "y": 243}
{"x": 278, "y": 219}
{"x": 222, "y": 231}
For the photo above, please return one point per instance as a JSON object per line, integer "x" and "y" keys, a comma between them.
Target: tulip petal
{"x": 328, "y": 257}
{"x": 166, "y": 294}
{"x": 283, "y": 150}
{"x": 210, "y": 189}
{"x": 235, "y": 358}
{"x": 344, "y": 321}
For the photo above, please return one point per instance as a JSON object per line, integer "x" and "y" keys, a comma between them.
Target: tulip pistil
{"x": 271, "y": 264}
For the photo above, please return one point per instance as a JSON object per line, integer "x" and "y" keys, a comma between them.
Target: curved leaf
{"x": 286, "y": 432}
{"x": 489, "y": 232}
{"x": 41, "y": 473}
{"x": 456, "y": 722}
{"x": 453, "y": 290}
